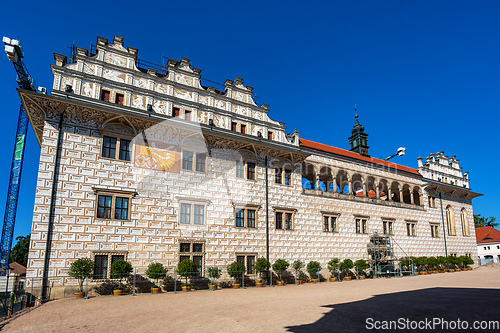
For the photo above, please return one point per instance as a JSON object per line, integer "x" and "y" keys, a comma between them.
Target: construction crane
{"x": 25, "y": 81}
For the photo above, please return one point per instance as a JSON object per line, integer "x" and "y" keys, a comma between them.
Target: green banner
{"x": 18, "y": 150}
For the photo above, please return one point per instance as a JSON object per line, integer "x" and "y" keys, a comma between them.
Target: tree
{"x": 333, "y": 265}
{"x": 483, "y": 221}
{"x": 279, "y": 266}
{"x": 313, "y": 267}
{"x": 236, "y": 270}
{"x": 186, "y": 268}
{"x": 120, "y": 269}
{"x": 156, "y": 271}
{"x": 80, "y": 269}
{"x": 262, "y": 265}
{"x": 20, "y": 251}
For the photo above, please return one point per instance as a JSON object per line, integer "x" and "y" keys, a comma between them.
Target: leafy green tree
{"x": 280, "y": 266}
{"x": 236, "y": 270}
{"x": 313, "y": 267}
{"x": 214, "y": 272}
{"x": 121, "y": 269}
{"x": 298, "y": 265}
{"x": 186, "y": 268}
{"x": 81, "y": 269}
{"x": 19, "y": 252}
{"x": 156, "y": 271}
{"x": 361, "y": 265}
{"x": 483, "y": 221}
{"x": 333, "y": 265}
{"x": 467, "y": 261}
{"x": 261, "y": 266}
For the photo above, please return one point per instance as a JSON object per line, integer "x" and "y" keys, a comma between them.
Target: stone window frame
{"x": 330, "y": 215}
{"x": 465, "y": 222}
{"x": 246, "y": 255}
{"x": 283, "y": 170}
{"x": 411, "y": 228}
{"x": 182, "y": 112}
{"x": 434, "y": 230}
{"x": 284, "y": 210}
{"x": 390, "y": 222}
{"x": 191, "y": 253}
{"x": 194, "y": 163}
{"x": 245, "y": 162}
{"x": 119, "y": 136}
{"x": 113, "y": 194}
{"x": 359, "y": 230}
{"x": 110, "y": 254}
{"x": 246, "y": 208}
{"x": 192, "y": 202}
{"x": 432, "y": 201}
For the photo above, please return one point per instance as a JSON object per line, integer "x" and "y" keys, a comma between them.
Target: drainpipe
{"x": 267, "y": 213}
{"x": 444, "y": 232}
{"x": 48, "y": 244}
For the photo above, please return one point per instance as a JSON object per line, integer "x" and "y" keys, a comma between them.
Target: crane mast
{"x": 24, "y": 81}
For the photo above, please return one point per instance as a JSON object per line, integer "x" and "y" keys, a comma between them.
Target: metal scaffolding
{"x": 383, "y": 260}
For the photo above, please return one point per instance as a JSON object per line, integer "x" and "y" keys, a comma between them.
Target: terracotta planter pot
{"x": 314, "y": 280}
{"x": 80, "y": 294}
{"x": 441, "y": 271}
{"x": 212, "y": 286}
{"x": 415, "y": 273}
{"x": 186, "y": 288}
{"x": 117, "y": 292}
{"x": 259, "y": 284}
{"x": 299, "y": 281}
{"x": 464, "y": 269}
{"x": 362, "y": 277}
{"x": 423, "y": 273}
{"x": 236, "y": 285}
{"x": 451, "y": 270}
{"x": 281, "y": 283}
{"x": 347, "y": 278}
{"x": 155, "y": 290}
{"x": 333, "y": 279}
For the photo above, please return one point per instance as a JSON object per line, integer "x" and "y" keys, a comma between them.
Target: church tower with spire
{"x": 359, "y": 139}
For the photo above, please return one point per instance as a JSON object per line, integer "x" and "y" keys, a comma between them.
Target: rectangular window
{"x": 198, "y": 261}
{"x": 288, "y": 177}
{"x": 185, "y": 247}
{"x": 329, "y": 223}
{"x": 194, "y": 252}
{"x": 247, "y": 260}
{"x": 119, "y": 99}
{"x": 361, "y": 226}
{"x": 104, "y": 203}
{"x": 185, "y": 213}
{"x": 279, "y": 220}
{"x": 108, "y": 147}
{"x": 284, "y": 220}
{"x": 187, "y": 160}
{"x": 192, "y": 213}
{"x": 243, "y": 129}
{"x": 250, "y": 264}
{"x": 240, "y": 170}
{"x": 199, "y": 214}
{"x": 251, "y": 218}
{"x": 435, "y": 230}
{"x": 197, "y": 247}
{"x": 411, "y": 229}
{"x": 176, "y": 112}
{"x": 277, "y": 175}
{"x": 124, "y": 154}
{"x": 100, "y": 266}
{"x": 200, "y": 162}
{"x": 121, "y": 208}
{"x": 105, "y": 94}
{"x": 250, "y": 171}
{"x": 388, "y": 227}
{"x": 187, "y": 115}
{"x": 269, "y": 135}
{"x": 234, "y": 126}
{"x": 288, "y": 221}
{"x": 240, "y": 217}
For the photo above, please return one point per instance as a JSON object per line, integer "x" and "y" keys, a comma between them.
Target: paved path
{"x": 325, "y": 307}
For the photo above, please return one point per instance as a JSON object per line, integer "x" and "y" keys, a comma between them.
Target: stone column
{"x": 377, "y": 190}
{"x": 364, "y": 190}
{"x": 334, "y": 181}
{"x": 316, "y": 182}
{"x": 389, "y": 193}
{"x": 400, "y": 194}
{"x": 350, "y": 187}
{"x": 411, "y": 197}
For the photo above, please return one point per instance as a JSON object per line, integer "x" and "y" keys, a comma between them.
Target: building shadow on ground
{"x": 447, "y": 304}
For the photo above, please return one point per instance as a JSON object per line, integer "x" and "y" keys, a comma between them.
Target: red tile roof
{"x": 487, "y": 235}
{"x": 17, "y": 268}
{"x": 350, "y": 154}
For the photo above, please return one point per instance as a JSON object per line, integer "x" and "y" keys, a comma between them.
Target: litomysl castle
{"x": 150, "y": 165}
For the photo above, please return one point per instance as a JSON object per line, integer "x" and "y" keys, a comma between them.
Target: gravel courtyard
{"x": 326, "y": 307}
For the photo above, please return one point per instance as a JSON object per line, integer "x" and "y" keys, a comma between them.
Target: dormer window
{"x": 243, "y": 129}
{"x": 187, "y": 115}
{"x": 119, "y": 99}
{"x": 269, "y": 135}
{"x": 176, "y": 112}
{"x": 234, "y": 126}
{"x": 105, "y": 94}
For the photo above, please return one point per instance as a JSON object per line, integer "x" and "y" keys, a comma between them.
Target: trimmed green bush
{"x": 186, "y": 269}
{"x": 361, "y": 264}
{"x": 81, "y": 269}
{"x": 333, "y": 265}
{"x": 298, "y": 265}
{"x": 346, "y": 264}
{"x": 156, "y": 271}
{"x": 236, "y": 270}
{"x": 262, "y": 266}
{"x": 467, "y": 261}
{"x": 313, "y": 267}
{"x": 121, "y": 269}
{"x": 279, "y": 266}
{"x": 214, "y": 272}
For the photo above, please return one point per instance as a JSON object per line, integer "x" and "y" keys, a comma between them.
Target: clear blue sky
{"x": 424, "y": 74}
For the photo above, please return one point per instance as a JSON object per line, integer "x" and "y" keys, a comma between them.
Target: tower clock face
{"x": 364, "y": 151}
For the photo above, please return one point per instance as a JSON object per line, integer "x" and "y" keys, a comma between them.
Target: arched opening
{"x": 416, "y": 195}
{"x": 342, "y": 182}
{"x": 308, "y": 176}
{"x": 465, "y": 222}
{"x": 357, "y": 185}
{"x": 383, "y": 189}
{"x": 450, "y": 220}
{"x": 406, "y": 194}
{"x": 371, "y": 190}
{"x": 395, "y": 192}
{"x": 325, "y": 178}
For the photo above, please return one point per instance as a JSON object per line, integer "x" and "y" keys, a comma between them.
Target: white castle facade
{"x": 153, "y": 166}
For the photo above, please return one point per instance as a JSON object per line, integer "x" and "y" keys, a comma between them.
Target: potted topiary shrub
{"x": 333, "y": 266}
{"x": 262, "y": 266}
{"x": 346, "y": 266}
{"x": 186, "y": 268}
{"x": 313, "y": 268}
{"x": 441, "y": 264}
{"x": 156, "y": 271}
{"x": 80, "y": 269}
{"x": 236, "y": 271}
{"x": 458, "y": 262}
{"x": 297, "y": 266}
{"x": 449, "y": 264}
{"x": 432, "y": 264}
{"x": 213, "y": 273}
{"x": 120, "y": 270}
{"x": 466, "y": 261}
{"x": 361, "y": 265}
{"x": 280, "y": 266}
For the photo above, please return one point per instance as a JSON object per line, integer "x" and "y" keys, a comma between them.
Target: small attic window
{"x": 105, "y": 94}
